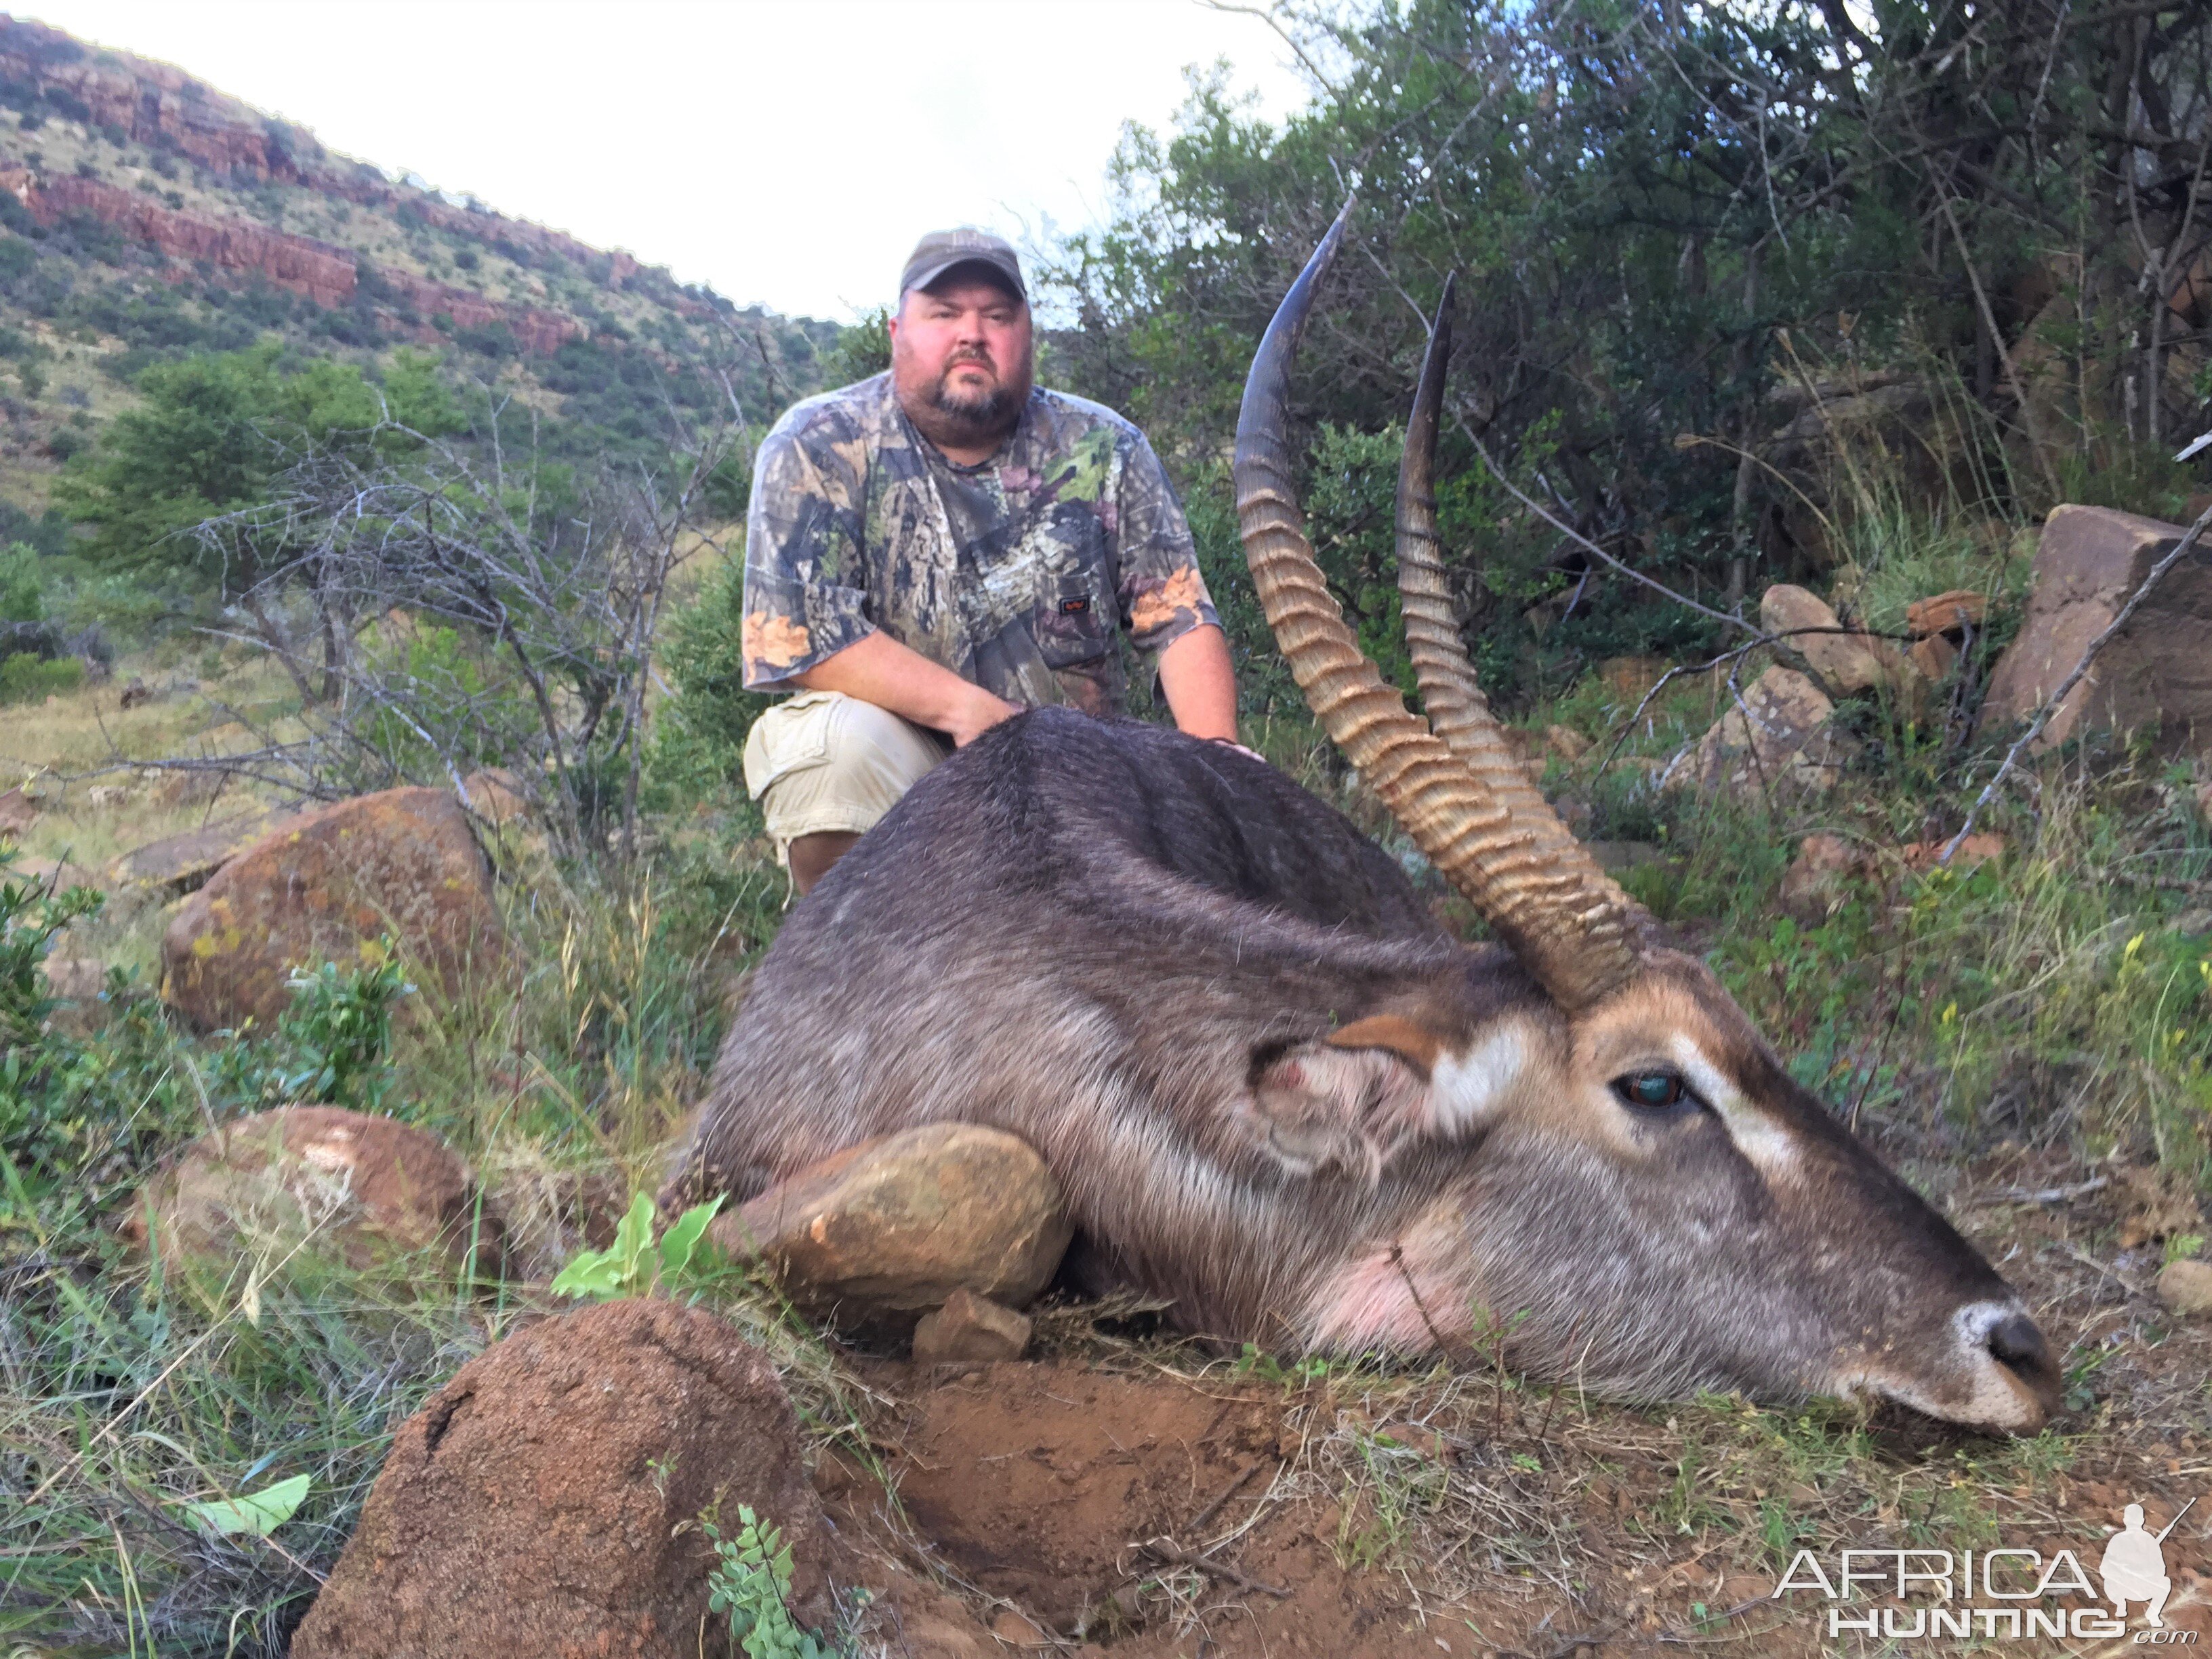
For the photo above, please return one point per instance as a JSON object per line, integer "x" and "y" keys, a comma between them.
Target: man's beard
{"x": 969, "y": 420}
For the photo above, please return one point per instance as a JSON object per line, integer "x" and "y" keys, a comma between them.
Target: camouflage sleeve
{"x": 1163, "y": 597}
{"x": 802, "y": 556}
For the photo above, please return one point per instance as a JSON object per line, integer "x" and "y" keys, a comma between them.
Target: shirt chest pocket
{"x": 1071, "y": 623}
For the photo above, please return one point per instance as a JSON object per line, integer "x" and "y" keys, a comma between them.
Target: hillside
{"x": 148, "y": 215}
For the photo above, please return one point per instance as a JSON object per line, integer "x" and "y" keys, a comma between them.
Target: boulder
{"x": 57, "y": 876}
{"x": 546, "y": 1501}
{"x": 1922, "y": 856}
{"x": 177, "y": 865}
{"x": 369, "y": 1188}
{"x": 1819, "y": 878}
{"x": 18, "y": 811}
{"x": 1777, "y": 740}
{"x": 495, "y": 794}
{"x": 891, "y": 1228}
{"x": 1935, "y": 657}
{"x": 1846, "y": 662}
{"x": 971, "y": 1328}
{"x": 2156, "y": 670}
{"x": 75, "y": 983}
{"x": 1627, "y": 679}
{"x": 326, "y": 886}
{"x": 1564, "y": 742}
{"x": 1952, "y": 612}
{"x": 2185, "y": 1286}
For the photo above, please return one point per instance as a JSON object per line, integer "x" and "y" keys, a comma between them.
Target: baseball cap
{"x": 941, "y": 250}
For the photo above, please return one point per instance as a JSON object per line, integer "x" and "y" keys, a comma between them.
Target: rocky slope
{"x": 148, "y": 215}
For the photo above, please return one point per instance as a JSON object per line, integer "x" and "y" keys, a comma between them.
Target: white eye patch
{"x": 1464, "y": 1089}
{"x": 1757, "y": 1136}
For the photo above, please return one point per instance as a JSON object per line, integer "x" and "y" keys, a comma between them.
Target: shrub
{"x": 21, "y": 596}
{"x": 26, "y": 677}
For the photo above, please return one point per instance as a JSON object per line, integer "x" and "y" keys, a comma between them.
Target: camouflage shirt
{"x": 1011, "y": 574}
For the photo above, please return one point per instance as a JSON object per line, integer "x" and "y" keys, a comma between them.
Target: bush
{"x": 21, "y": 596}
{"x": 27, "y": 678}
{"x": 699, "y": 746}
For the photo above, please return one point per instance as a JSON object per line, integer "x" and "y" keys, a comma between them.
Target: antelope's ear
{"x": 1352, "y": 1104}
{"x": 1415, "y": 1044}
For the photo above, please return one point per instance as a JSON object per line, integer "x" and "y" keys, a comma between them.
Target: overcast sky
{"x": 789, "y": 152}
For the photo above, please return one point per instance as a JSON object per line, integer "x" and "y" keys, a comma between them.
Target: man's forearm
{"x": 1200, "y": 683}
{"x": 877, "y": 669}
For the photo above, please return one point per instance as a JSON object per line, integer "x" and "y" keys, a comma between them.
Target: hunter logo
{"x": 1997, "y": 1595}
{"x": 1073, "y": 607}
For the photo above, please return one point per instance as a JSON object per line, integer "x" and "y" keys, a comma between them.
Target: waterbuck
{"x": 1279, "y": 1093}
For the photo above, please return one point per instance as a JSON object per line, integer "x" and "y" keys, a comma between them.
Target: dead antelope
{"x": 1276, "y": 1091}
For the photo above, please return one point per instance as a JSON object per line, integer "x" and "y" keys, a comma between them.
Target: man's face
{"x": 961, "y": 360}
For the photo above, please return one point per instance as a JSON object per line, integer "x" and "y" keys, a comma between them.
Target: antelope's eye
{"x": 1652, "y": 1091}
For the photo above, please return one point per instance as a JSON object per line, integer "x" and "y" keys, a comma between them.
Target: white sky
{"x": 789, "y": 152}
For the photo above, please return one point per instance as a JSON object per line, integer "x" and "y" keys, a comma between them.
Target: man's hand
{"x": 875, "y": 668}
{"x": 977, "y": 715}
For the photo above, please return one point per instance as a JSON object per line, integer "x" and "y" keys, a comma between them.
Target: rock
{"x": 1953, "y": 612}
{"x": 18, "y": 812}
{"x": 2185, "y": 1286}
{"x": 326, "y": 886}
{"x": 1846, "y": 662}
{"x": 1564, "y": 742}
{"x": 2154, "y": 671}
{"x": 1922, "y": 856}
{"x": 371, "y": 1187}
{"x": 76, "y": 979}
{"x": 893, "y": 1227}
{"x": 1933, "y": 656}
{"x": 178, "y": 865}
{"x": 2155, "y": 1204}
{"x": 1615, "y": 856}
{"x": 969, "y": 1328}
{"x": 495, "y": 794}
{"x": 1777, "y": 740}
{"x": 547, "y": 1500}
{"x": 59, "y": 875}
{"x": 1627, "y": 679}
{"x": 1819, "y": 878}
{"x": 191, "y": 787}
{"x": 75, "y": 983}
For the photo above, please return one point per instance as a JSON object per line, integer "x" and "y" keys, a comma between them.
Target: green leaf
{"x": 634, "y": 1235}
{"x": 681, "y": 1240}
{"x": 590, "y": 1273}
{"x": 257, "y": 1514}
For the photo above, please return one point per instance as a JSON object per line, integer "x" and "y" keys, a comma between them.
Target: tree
{"x": 214, "y": 433}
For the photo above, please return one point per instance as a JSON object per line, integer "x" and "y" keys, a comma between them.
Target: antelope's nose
{"x": 2015, "y": 1341}
{"x": 2016, "y": 1344}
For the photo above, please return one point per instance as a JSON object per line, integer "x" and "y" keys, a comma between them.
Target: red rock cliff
{"x": 160, "y": 106}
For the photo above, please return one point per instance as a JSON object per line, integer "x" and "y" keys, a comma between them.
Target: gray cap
{"x": 941, "y": 250}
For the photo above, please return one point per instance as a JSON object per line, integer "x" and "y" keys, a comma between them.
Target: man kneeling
{"x": 935, "y": 549}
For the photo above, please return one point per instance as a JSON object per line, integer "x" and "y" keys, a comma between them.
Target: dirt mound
{"x": 1131, "y": 1510}
{"x": 544, "y": 1501}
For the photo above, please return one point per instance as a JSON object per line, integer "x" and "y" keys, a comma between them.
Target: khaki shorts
{"x": 821, "y": 761}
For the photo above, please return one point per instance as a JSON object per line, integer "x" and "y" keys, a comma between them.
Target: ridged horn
{"x": 1490, "y": 834}
{"x": 1458, "y": 712}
